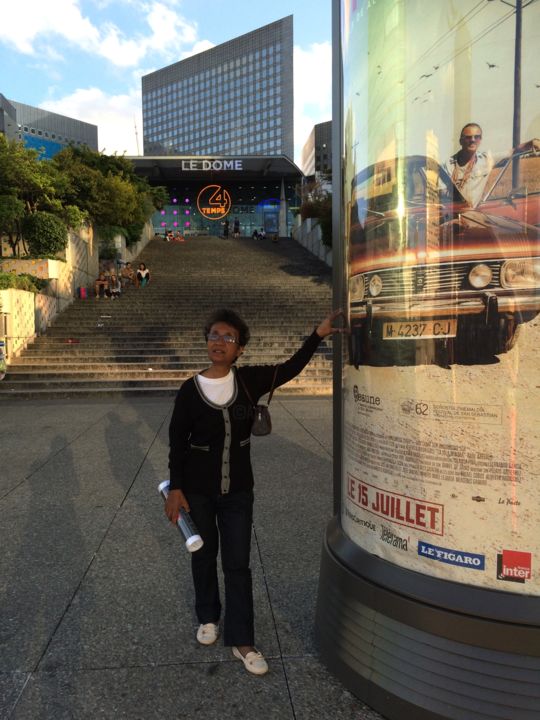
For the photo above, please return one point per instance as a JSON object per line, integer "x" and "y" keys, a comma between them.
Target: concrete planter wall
{"x": 41, "y": 268}
{"x": 19, "y": 320}
{"x": 309, "y": 235}
{"x": 45, "y": 310}
{"x": 27, "y": 314}
{"x": 78, "y": 268}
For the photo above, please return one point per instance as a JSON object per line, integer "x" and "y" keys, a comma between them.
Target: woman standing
{"x": 211, "y": 474}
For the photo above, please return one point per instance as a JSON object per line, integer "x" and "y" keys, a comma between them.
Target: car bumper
{"x": 485, "y": 304}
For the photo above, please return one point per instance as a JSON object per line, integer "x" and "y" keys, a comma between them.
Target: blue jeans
{"x": 226, "y": 519}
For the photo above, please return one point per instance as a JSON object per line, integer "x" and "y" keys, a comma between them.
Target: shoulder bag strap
{"x": 239, "y": 376}
{"x": 244, "y": 386}
{"x": 273, "y": 384}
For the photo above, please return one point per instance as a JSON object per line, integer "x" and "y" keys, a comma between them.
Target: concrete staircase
{"x": 150, "y": 340}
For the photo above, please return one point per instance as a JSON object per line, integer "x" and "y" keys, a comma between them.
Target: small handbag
{"x": 262, "y": 422}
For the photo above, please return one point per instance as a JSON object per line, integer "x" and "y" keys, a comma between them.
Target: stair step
{"x": 63, "y": 383}
{"x": 115, "y": 392}
{"x": 143, "y": 373}
{"x": 280, "y": 291}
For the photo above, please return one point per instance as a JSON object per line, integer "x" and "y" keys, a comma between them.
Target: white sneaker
{"x": 208, "y": 633}
{"x": 254, "y": 662}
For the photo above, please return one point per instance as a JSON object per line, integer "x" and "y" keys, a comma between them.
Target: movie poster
{"x": 441, "y": 203}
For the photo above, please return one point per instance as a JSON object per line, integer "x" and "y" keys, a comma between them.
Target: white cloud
{"x": 312, "y": 91}
{"x": 169, "y": 28}
{"x": 169, "y": 34}
{"x": 115, "y": 116}
{"x": 120, "y": 52}
{"x": 62, "y": 17}
{"x": 51, "y": 54}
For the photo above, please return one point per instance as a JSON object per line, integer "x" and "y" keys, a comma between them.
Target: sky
{"x": 85, "y": 58}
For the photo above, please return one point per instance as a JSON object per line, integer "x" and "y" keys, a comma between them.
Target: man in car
{"x": 469, "y": 167}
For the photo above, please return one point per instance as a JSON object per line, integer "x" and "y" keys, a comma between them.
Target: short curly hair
{"x": 225, "y": 315}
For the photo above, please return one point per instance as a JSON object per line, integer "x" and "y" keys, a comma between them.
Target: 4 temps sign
{"x": 214, "y": 202}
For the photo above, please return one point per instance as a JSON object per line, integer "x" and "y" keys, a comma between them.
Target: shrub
{"x": 107, "y": 250}
{"x": 322, "y": 210}
{"x": 44, "y": 233}
{"x": 134, "y": 232}
{"x": 22, "y": 282}
{"x": 325, "y": 220}
{"x": 107, "y": 233}
{"x": 309, "y": 209}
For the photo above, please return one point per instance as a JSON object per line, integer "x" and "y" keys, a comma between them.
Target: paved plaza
{"x": 96, "y": 609}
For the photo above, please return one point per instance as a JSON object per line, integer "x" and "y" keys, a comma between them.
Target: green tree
{"x": 45, "y": 233}
{"x": 107, "y": 188}
{"x": 77, "y": 185}
{"x": 29, "y": 179}
{"x": 11, "y": 215}
{"x": 32, "y": 186}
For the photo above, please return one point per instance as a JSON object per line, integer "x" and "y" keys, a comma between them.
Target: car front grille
{"x": 427, "y": 279}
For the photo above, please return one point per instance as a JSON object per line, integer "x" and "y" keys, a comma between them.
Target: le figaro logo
{"x": 514, "y": 566}
{"x": 473, "y": 561}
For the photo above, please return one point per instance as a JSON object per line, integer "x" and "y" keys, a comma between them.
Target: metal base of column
{"x": 418, "y": 648}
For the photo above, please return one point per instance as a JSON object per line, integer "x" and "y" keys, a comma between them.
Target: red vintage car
{"x": 432, "y": 280}
{"x": 513, "y": 188}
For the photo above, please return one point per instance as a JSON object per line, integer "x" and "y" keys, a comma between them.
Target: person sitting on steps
{"x": 115, "y": 287}
{"x": 101, "y": 286}
{"x": 143, "y": 276}
{"x": 127, "y": 275}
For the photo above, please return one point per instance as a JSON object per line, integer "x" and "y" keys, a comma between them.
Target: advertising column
{"x": 440, "y": 424}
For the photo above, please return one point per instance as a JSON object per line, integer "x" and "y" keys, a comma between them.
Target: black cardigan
{"x": 209, "y": 443}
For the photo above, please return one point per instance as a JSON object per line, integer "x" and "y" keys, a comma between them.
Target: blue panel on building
{"x": 47, "y": 148}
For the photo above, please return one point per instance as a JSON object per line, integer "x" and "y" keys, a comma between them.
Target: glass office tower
{"x": 234, "y": 99}
{"x": 317, "y": 150}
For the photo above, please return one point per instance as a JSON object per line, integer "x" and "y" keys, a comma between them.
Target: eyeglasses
{"x": 215, "y": 337}
{"x": 471, "y": 137}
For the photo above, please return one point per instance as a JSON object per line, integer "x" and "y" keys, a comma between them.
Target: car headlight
{"x": 520, "y": 273}
{"x": 375, "y": 286}
{"x": 357, "y": 288}
{"x": 480, "y": 276}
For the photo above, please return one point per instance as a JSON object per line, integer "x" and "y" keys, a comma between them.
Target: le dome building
{"x": 218, "y": 133}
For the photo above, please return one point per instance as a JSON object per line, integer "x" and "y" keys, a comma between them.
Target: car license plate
{"x": 424, "y": 330}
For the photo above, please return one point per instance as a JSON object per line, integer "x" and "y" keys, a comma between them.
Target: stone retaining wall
{"x": 309, "y": 235}
{"x": 79, "y": 267}
{"x": 128, "y": 254}
{"x": 26, "y": 314}
{"x": 19, "y": 320}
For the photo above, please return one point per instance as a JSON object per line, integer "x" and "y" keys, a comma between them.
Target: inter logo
{"x": 514, "y": 566}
